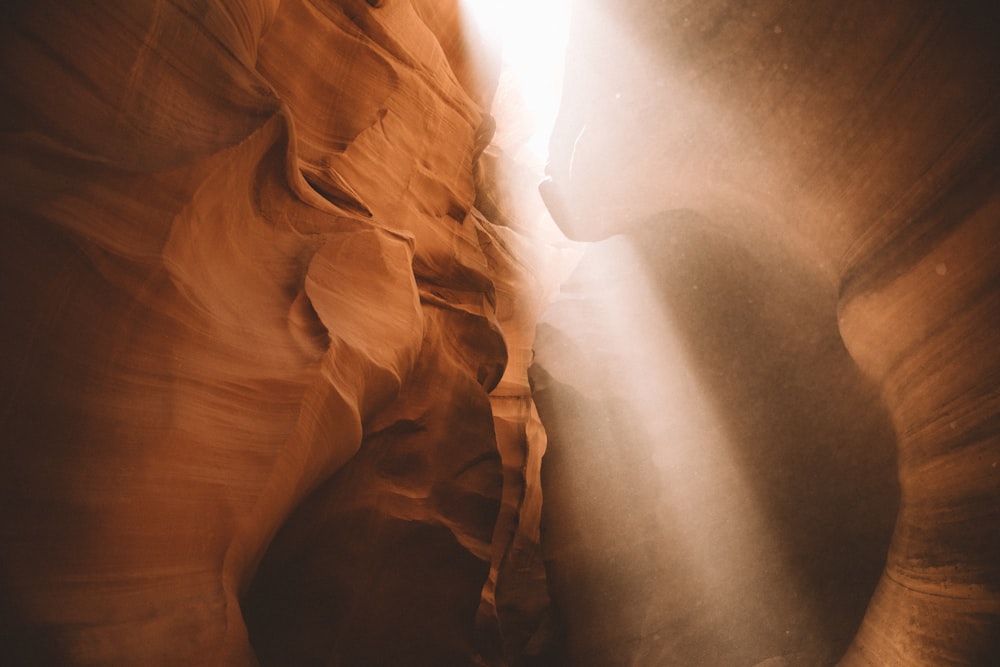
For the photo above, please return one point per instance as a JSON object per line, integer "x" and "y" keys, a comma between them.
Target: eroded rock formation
{"x": 268, "y": 324}
{"x": 239, "y": 249}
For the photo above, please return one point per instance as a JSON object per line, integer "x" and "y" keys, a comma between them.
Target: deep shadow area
{"x": 366, "y": 591}
{"x": 769, "y": 537}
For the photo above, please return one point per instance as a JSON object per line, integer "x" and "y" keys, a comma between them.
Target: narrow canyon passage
{"x": 462, "y": 332}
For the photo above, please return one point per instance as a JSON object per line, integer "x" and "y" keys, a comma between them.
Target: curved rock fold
{"x": 286, "y": 365}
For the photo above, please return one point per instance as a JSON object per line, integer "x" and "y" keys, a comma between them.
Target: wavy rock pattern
{"x": 269, "y": 318}
{"x": 245, "y": 289}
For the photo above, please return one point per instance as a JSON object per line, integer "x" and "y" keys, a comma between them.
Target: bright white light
{"x": 534, "y": 36}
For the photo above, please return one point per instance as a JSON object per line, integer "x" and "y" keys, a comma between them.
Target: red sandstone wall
{"x": 239, "y": 248}
{"x": 264, "y": 365}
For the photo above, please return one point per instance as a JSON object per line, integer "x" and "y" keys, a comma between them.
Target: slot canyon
{"x": 319, "y": 347}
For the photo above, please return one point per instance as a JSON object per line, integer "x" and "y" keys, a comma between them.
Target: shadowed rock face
{"x": 720, "y": 480}
{"x": 264, "y": 364}
{"x": 864, "y": 141}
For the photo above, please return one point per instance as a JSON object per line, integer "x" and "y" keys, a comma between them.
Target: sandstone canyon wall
{"x": 268, "y": 325}
{"x": 853, "y": 144}
{"x": 239, "y": 248}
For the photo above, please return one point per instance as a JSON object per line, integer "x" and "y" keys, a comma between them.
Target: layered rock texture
{"x": 246, "y": 289}
{"x": 279, "y": 344}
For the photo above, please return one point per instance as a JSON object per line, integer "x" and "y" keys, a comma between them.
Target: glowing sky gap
{"x": 534, "y": 34}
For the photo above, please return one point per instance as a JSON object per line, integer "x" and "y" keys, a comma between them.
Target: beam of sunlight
{"x": 721, "y": 551}
{"x": 713, "y": 535}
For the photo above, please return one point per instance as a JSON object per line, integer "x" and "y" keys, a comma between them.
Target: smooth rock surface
{"x": 865, "y": 140}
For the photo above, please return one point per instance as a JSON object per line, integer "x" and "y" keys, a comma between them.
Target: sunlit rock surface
{"x": 270, "y": 301}
{"x": 245, "y": 289}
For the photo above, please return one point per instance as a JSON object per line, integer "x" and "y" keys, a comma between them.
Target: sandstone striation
{"x": 285, "y": 368}
{"x": 246, "y": 290}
